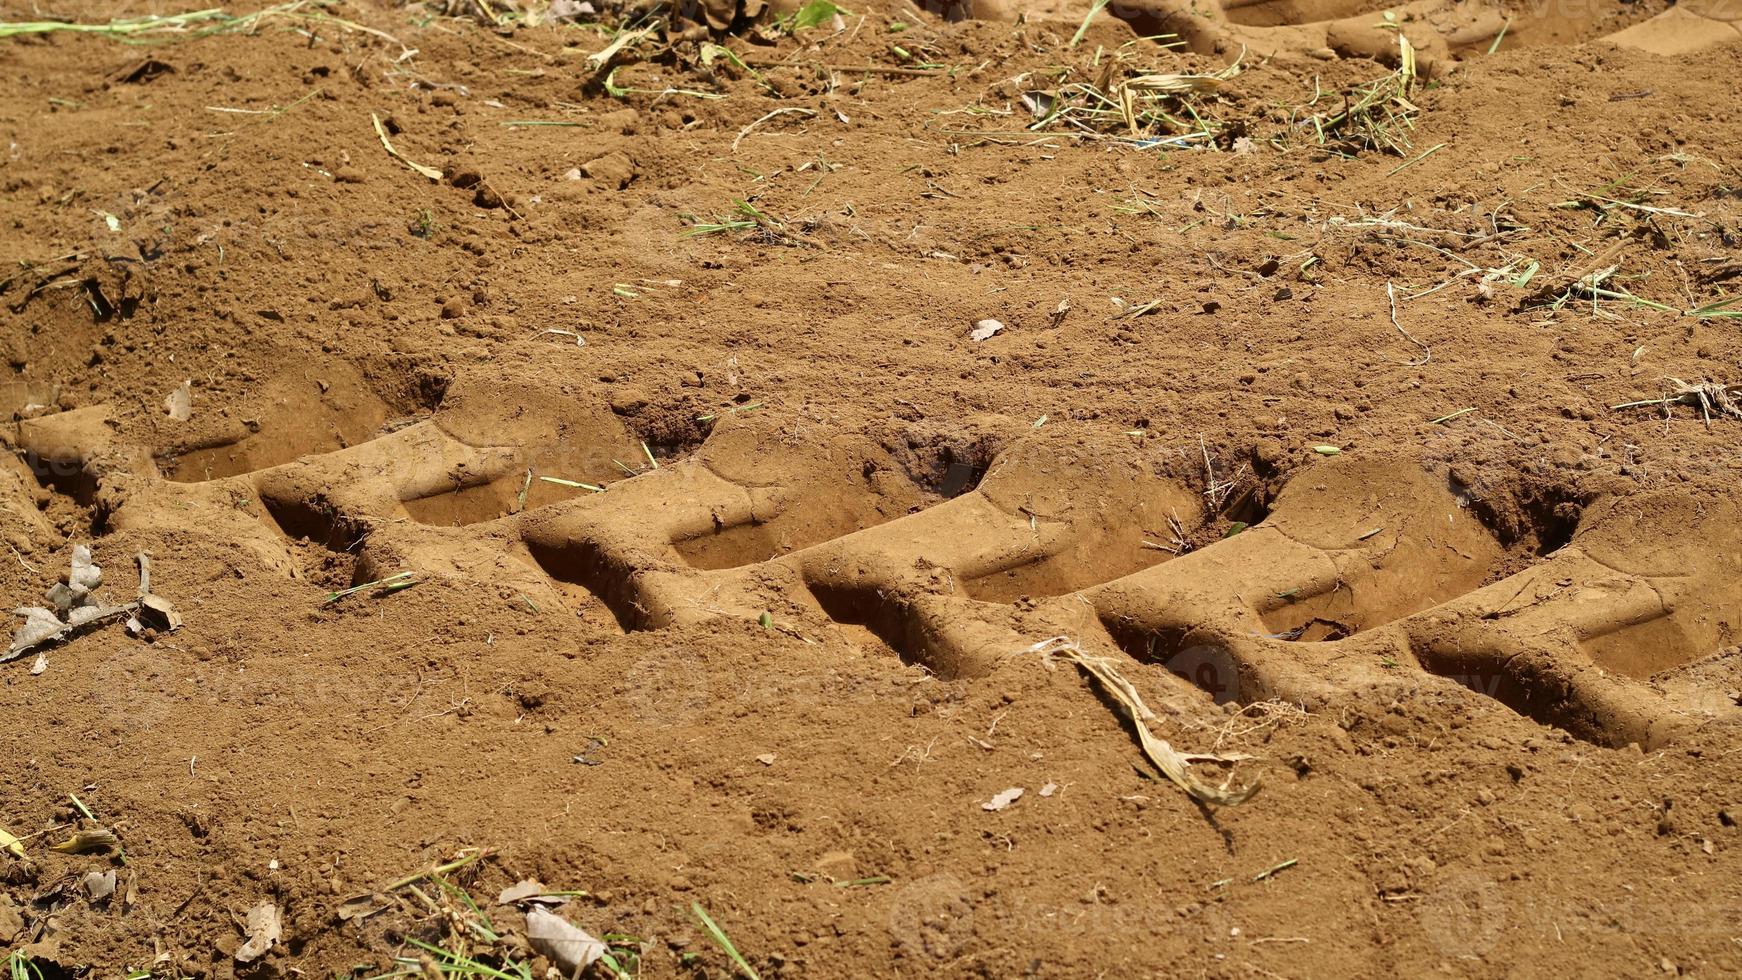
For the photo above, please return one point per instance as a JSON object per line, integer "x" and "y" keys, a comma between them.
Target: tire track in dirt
{"x": 1437, "y": 593}
{"x": 1363, "y": 575}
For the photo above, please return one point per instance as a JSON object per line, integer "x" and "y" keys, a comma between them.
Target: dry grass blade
{"x": 628, "y": 39}
{"x": 1173, "y": 763}
{"x": 783, "y": 110}
{"x": 1082, "y": 29}
{"x": 381, "y": 131}
{"x": 1174, "y": 84}
{"x": 1149, "y": 109}
{"x": 198, "y": 23}
{"x": 397, "y": 582}
{"x": 1375, "y": 116}
{"x": 1709, "y": 397}
{"x": 114, "y": 28}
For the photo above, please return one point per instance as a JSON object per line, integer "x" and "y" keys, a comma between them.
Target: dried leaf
{"x": 568, "y": 10}
{"x": 568, "y": 947}
{"x": 1174, "y": 84}
{"x": 984, "y": 330}
{"x": 1174, "y": 764}
{"x": 100, "y": 885}
{"x": 85, "y": 615}
{"x": 264, "y": 931}
{"x": 11, "y": 844}
{"x": 89, "y": 842}
{"x": 1039, "y": 103}
{"x": 180, "y": 403}
{"x": 40, "y": 626}
{"x": 63, "y": 597}
{"x": 1003, "y": 800}
{"x": 74, "y": 608}
{"x": 86, "y": 574}
{"x": 520, "y": 891}
{"x": 362, "y": 907}
{"x": 157, "y": 613}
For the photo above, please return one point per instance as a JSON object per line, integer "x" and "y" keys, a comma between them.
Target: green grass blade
{"x": 1083, "y": 28}
{"x": 1721, "y": 308}
{"x": 724, "y": 943}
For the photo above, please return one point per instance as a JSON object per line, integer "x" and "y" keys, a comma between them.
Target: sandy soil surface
{"x": 1334, "y": 538}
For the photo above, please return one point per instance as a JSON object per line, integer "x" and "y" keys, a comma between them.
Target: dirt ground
{"x": 728, "y": 558}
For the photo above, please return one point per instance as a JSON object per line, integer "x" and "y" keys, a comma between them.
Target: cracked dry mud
{"x": 1475, "y": 628}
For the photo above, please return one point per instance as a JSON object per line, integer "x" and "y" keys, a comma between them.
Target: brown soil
{"x": 1476, "y": 627}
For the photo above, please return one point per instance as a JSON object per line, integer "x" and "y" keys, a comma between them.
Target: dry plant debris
{"x": 1173, "y": 764}
{"x": 74, "y": 607}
